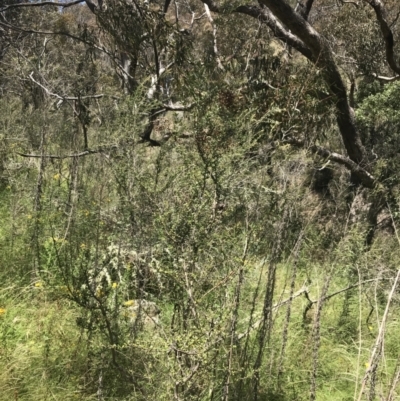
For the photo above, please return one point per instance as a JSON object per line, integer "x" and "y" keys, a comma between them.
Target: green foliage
{"x": 148, "y": 253}
{"x": 379, "y": 119}
{"x": 381, "y": 107}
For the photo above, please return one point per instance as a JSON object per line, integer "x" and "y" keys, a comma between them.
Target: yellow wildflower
{"x": 114, "y": 285}
{"x": 131, "y": 302}
{"x": 38, "y": 284}
{"x": 56, "y": 176}
{"x": 2, "y": 311}
{"x": 366, "y": 365}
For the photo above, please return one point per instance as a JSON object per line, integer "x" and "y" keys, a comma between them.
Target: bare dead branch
{"x": 87, "y": 152}
{"x": 285, "y": 332}
{"x": 394, "y": 382}
{"x": 62, "y": 33}
{"x": 386, "y": 79}
{"x": 316, "y": 336}
{"x": 214, "y": 31}
{"x": 100, "y": 47}
{"x": 379, "y": 339}
{"x": 266, "y": 321}
{"x": 212, "y": 6}
{"x": 396, "y": 19}
{"x": 101, "y": 149}
{"x": 350, "y": 2}
{"x": 72, "y": 155}
{"x": 350, "y": 287}
{"x": 305, "y": 291}
{"x": 44, "y": 3}
{"x": 178, "y": 107}
{"x": 56, "y": 95}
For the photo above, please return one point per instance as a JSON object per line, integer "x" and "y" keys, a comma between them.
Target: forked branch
{"x": 60, "y": 97}
{"x": 265, "y": 16}
{"x": 304, "y": 38}
{"x": 363, "y": 175}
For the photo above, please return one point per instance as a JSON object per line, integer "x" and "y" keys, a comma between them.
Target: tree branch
{"x": 63, "y": 97}
{"x": 91, "y": 5}
{"x": 355, "y": 4}
{"x": 72, "y": 155}
{"x": 386, "y": 79}
{"x": 264, "y": 15}
{"x": 87, "y": 152}
{"x": 304, "y": 291}
{"x": 387, "y": 33}
{"x": 214, "y": 31}
{"x": 100, "y": 47}
{"x": 323, "y": 58}
{"x": 155, "y": 79}
{"x": 44, "y": 3}
{"x": 178, "y": 107}
{"x": 145, "y": 137}
{"x": 364, "y": 176}
{"x": 305, "y": 8}
{"x": 26, "y": 30}
{"x": 304, "y": 38}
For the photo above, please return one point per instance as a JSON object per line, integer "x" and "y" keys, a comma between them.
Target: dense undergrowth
{"x": 46, "y": 355}
{"x": 179, "y": 217}
{"x": 210, "y": 236}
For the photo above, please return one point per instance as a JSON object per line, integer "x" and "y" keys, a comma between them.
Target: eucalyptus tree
{"x": 316, "y": 75}
{"x": 150, "y": 44}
